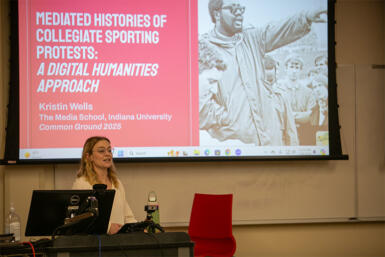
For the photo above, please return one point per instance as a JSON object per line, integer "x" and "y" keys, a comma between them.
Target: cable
{"x": 32, "y": 247}
{"x": 100, "y": 245}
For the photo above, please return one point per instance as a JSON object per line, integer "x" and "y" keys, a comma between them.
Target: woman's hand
{"x": 114, "y": 228}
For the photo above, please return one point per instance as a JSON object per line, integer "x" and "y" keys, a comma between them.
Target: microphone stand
{"x": 149, "y": 223}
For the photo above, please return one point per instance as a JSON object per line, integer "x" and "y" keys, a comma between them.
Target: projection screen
{"x": 167, "y": 80}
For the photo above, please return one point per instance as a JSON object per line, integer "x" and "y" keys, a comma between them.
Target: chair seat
{"x": 223, "y": 247}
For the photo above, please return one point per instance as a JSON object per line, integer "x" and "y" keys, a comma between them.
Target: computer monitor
{"x": 50, "y": 208}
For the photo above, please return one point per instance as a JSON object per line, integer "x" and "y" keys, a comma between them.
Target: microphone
{"x": 92, "y": 201}
{"x": 99, "y": 187}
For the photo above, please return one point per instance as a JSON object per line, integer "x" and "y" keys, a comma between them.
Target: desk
{"x": 139, "y": 244}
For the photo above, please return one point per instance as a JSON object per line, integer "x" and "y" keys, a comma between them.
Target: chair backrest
{"x": 211, "y": 216}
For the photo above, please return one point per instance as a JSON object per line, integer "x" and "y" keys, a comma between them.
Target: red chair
{"x": 210, "y": 225}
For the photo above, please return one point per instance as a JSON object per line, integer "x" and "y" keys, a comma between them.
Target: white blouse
{"x": 121, "y": 212}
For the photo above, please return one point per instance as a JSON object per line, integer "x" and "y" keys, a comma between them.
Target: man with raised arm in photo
{"x": 241, "y": 89}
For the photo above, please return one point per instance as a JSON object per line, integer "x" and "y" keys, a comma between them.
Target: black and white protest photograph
{"x": 263, "y": 72}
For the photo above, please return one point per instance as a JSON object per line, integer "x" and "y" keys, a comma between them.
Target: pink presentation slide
{"x": 127, "y": 70}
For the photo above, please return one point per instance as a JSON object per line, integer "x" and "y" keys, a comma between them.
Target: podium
{"x": 136, "y": 244}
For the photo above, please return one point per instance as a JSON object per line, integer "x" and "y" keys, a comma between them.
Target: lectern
{"x": 138, "y": 244}
{"x": 170, "y": 244}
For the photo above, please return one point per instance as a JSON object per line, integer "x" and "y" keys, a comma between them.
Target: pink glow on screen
{"x": 160, "y": 104}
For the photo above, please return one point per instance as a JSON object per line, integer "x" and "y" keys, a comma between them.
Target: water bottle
{"x": 153, "y": 207}
{"x": 12, "y": 223}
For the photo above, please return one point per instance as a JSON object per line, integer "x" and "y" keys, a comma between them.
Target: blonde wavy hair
{"x": 86, "y": 169}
